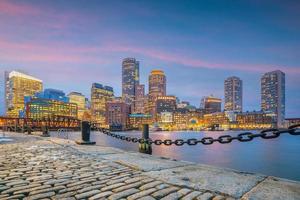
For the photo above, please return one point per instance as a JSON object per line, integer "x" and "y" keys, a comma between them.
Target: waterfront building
{"x": 117, "y": 112}
{"x": 180, "y": 119}
{"x": 136, "y": 121}
{"x": 273, "y": 94}
{"x": 157, "y": 88}
{"x": 211, "y": 104}
{"x": 254, "y": 120}
{"x": 139, "y": 102}
{"x": 291, "y": 121}
{"x": 40, "y": 109}
{"x": 216, "y": 120}
{"x": 130, "y": 79}
{"x": 17, "y": 86}
{"x": 233, "y": 93}
{"x": 53, "y": 94}
{"x": 165, "y": 104}
{"x": 100, "y": 95}
{"x": 80, "y": 100}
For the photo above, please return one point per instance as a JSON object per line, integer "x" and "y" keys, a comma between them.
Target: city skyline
{"x": 192, "y": 72}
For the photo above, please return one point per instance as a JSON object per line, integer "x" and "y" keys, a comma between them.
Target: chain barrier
{"x": 224, "y": 139}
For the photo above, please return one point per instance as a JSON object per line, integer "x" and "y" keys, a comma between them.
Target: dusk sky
{"x": 71, "y": 44}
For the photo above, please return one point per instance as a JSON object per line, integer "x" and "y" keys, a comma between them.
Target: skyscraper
{"x": 233, "y": 92}
{"x": 130, "y": 79}
{"x": 17, "y": 86}
{"x": 100, "y": 95}
{"x": 139, "y": 102}
{"x": 273, "y": 94}
{"x": 157, "y": 88}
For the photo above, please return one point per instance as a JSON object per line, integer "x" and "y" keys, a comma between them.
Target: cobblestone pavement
{"x": 49, "y": 168}
{"x": 44, "y": 170}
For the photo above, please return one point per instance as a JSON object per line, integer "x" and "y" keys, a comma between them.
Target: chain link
{"x": 224, "y": 139}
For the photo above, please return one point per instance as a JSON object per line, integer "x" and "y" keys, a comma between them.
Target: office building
{"x": 136, "y": 121}
{"x": 210, "y": 104}
{"x": 130, "y": 79}
{"x": 273, "y": 94}
{"x": 17, "y": 86}
{"x": 80, "y": 100}
{"x": 233, "y": 93}
{"x": 41, "y": 109}
{"x": 52, "y": 94}
{"x": 117, "y": 114}
{"x": 139, "y": 102}
{"x": 165, "y": 104}
{"x": 100, "y": 95}
{"x": 157, "y": 88}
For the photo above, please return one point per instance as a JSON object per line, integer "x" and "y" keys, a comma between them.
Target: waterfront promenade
{"x": 33, "y": 167}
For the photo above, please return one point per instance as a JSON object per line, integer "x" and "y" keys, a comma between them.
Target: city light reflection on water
{"x": 276, "y": 157}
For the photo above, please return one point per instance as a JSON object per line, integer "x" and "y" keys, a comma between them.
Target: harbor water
{"x": 275, "y": 157}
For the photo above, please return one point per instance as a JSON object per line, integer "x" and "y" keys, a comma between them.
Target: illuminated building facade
{"x": 80, "y": 100}
{"x": 139, "y": 102}
{"x": 17, "y": 86}
{"x": 53, "y": 94}
{"x": 211, "y": 104}
{"x": 136, "y": 121}
{"x": 130, "y": 79}
{"x": 157, "y": 88}
{"x": 273, "y": 94}
{"x": 255, "y": 120}
{"x": 217, "y": 119}
{"x": 39, "y": 109}
{"x": 100, "y": 95}
{"x": 165, "y": 104}
{"x": 233, "y": 93}
{"x": 117, "y": 114}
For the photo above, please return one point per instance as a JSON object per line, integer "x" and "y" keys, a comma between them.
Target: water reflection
{"x": 276, "y": 157}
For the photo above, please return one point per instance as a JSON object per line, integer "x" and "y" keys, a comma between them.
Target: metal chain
{"x": 224, "y": 139}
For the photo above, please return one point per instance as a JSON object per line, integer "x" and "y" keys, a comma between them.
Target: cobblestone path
{"x": 41, "y": 169}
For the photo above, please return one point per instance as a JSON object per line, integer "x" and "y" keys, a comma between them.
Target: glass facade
{"x": 53, "y": 94}
{"x": 17, "y": 86}
{"x": 40, "y": 109}
{"x": 80, "y": 101}
{"x": 100, "y": 95}
{"x": 139, "y": 102}
{"x": 273, "y": 94}
{"x": 233, "y": 93}
{"x": 130, "y": 79}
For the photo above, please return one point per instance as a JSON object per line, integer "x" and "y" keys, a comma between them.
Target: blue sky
{"x": 71, "y": 44}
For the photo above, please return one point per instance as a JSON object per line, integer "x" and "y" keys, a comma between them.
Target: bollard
{"x": 85, "y": 134}
{"x": 45, "y": 131}
{"x": 145, "y": 147}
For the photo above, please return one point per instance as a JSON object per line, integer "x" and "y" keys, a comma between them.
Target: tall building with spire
{"x": 130, "y": 79}
{"x": 17, "y": 86}
{"x": 233, "y": 92}
{"x": 157, "y": 88}
{"x": 273, "y": 94}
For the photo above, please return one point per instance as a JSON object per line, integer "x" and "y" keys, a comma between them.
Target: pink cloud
{"x": 198, "y": 63}
{"x": 11, "y": 8}
{"x": 52, "y": 52}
